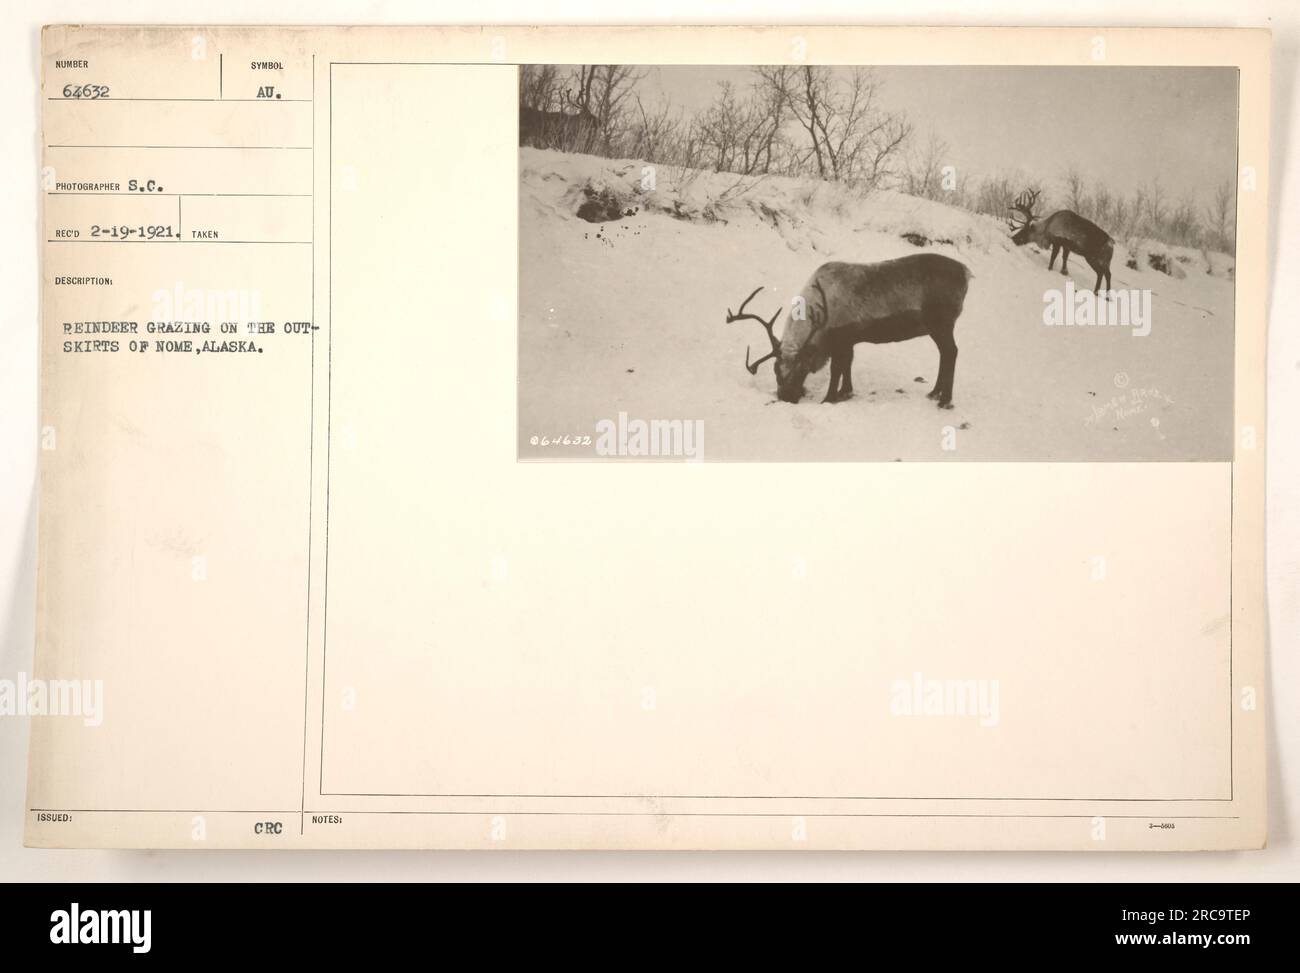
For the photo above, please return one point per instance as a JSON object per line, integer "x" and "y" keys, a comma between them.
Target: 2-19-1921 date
{"x": 124, "y": 231}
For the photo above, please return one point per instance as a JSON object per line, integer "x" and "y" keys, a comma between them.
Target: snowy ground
{"x": 629, "y": 316}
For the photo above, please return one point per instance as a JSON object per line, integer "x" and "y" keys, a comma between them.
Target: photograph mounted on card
{"x": 960, "y": 333}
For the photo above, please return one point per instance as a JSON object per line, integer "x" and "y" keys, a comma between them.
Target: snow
{"x": 629, "y": 316}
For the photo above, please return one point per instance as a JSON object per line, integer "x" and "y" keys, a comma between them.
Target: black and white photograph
{"x": 807, "y": 262}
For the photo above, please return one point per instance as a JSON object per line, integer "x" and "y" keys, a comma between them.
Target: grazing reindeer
{"x": 569, "y": 131}
{"x": 1064, "y": 231}
{"x": 844, "y": 303}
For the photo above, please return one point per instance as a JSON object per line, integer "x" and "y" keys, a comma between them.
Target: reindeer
{"x": 575, "y": 130}
{"x": 1064, "y": 231}
{"x": 843, "y": 304}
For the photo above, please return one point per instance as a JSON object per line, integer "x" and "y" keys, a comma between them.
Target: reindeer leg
{"x": 846, "y": 374}
{"x": 1100, "y": 273}
{"x": 1056, "y": 248}
{"x": 937, "y": 391}
{"x": 1065, "y": 259}
{"x": 947, "y": 366}
{"x": 833, "y": 388}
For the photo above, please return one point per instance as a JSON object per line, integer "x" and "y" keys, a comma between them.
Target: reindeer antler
{"x": 741, "y": 315}
{"x": 1024, "y": 205}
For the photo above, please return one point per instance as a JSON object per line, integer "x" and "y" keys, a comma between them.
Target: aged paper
{"x": 970, "y": 556}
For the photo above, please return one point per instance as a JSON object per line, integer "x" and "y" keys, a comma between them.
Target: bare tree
{"x": 1122, "y": 218}
{"x": 1221, "y": 218}
{"x": 771, "y": 110}
{"x": 741, "y": 135}
{"x": 923, "y": 170}
{"x": 1076, "y": 192}
{"x": 1153, "y": 209}
{"x": 720, "y": 126}
{"x": 653, "y": 134}
{"x": 603, "y": 90}
{"x": 1182, "y": 225}
{"x": 992, "y": 194}
{"x": 1102, "y": 204}
{"x": 850, "y": 136}
{"x": 539, "y": 87}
